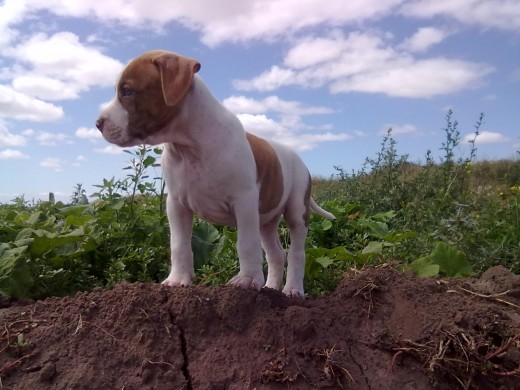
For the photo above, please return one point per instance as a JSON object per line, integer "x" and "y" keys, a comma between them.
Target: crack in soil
{"x": 185, "y": 364}
{"x": 360, "y": 367}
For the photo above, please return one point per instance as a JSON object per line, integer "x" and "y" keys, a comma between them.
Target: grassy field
{"x": 452, "y": 217}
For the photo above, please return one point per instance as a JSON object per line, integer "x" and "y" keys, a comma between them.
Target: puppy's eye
{"x": 125, "y": 91}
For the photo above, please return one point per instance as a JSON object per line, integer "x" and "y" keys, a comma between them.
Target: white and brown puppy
{"x": 215, "y": 169}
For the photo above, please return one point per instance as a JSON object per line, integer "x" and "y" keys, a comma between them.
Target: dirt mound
{"x": 380, "y": 329}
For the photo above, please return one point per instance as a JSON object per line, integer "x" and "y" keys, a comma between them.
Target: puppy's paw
{"x": 255, "y": 282}
{"x": 293, "y": 292}
{"x": 178, "y": 279}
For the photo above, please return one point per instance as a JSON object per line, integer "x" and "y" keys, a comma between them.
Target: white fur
{"x": 210, "y": 170}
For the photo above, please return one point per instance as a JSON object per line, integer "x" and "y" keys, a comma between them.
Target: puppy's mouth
{"x": 119, "y": 137}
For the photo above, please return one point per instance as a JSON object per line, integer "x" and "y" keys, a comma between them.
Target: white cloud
{"x": 88, "y": 133}
{"x": 261, "y": 125}
{"x": 110, "y": 149}
{"x": 364, "y": 62}
{"x": 11, "y": 12}
{"x": 16, "y": 105}
{"x": 403, "y": 129}
{"x": 60, "y": 66}
{"x": 242, "y": 21}
{"x": 52, "y": 139}
{"x": 12, "y": 154}
{"x": 45, "y": 88}
{"x": 270, "y": 80}
{"x": 79, "y": 160}
{"x": 47, "y": 138}
{"x": 9, "y": 139}
{"x": 53, "y": 163}
{"x": 287, "y": 135}
{"x": 304, "y": 142}
{"x": 487, "y": 137}
{"x": 500, "y": 14}
{"x": 423, "y": 39}
{"x": 227, "y": 20}
{"x": 287, "y": 128}
{"x": 416, "y": 79}
{"x": 243, "y": 104}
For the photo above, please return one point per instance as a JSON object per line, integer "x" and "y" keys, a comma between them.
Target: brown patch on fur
{"x": 158, "y": 81}
{"x": 306, "y": 202}
{"x": 268, "y": 171}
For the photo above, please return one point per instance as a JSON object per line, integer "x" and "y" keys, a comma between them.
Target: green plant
{"x": 449, "y": 218}
{"x": 443, "y": 260}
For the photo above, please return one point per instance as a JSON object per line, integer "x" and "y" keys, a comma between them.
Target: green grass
{"x": 450, "y": 217}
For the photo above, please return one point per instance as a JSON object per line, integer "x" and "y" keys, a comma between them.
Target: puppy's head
{"x": 148, "y": 94}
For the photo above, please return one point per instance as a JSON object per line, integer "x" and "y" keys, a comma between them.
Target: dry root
{"x": 366, "y": 291}
{"x": 277, "y": 370}
{"x": 461, "y": 356}
{"x": 333, "y": 368}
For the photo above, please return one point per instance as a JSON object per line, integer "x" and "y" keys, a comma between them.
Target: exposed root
{"x": 159, "y": 363}
{"x": 332, "y": 367}
{"x": 460, "y": 355}
{"x": 80, "y": 326}
{"x": 366, "y": 291}
{"x": 277, "y": 369}
{"x": 9, "y": 365}
{"x": 494, "y": 297}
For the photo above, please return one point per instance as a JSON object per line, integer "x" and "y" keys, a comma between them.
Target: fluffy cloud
{"x": 11, "y": 154}
{"x": 11, "y": 12}
{"x": 60, "y": 66}
{"x": 219, "y": 21}
{"x": 88, "y": 133}
{"x": 423, "y": 39}
{"x": 46, "y": 88}
{"x": 16, "y": 105}
{"x": 52, "y": 139}
{"x": 271, "y": 129}
{"x": 416, "y": 79}
{"x": 500, "y": 14}
{"x": 53, "y": 163}
{"x": 43, "y": 67}
{"x": 243, "y": 104}
{"x": 399, "y": 129}
{"x": 110, "y": 149}
{"x": 241, "y": 21}
{"x": 487, "y": 137}
{"x": 9, "y": 139}
{"x": 288, "y": 127}
{"x": 365, "y": 62}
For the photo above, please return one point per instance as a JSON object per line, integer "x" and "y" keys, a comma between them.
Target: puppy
{"x": 213, "y": 168}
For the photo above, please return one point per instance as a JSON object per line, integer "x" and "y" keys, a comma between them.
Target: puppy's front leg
{"x": 181, "y": 225}
{"x": 249, "y": 248}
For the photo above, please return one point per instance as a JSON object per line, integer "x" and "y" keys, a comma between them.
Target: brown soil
{"x": 380, "y": 329}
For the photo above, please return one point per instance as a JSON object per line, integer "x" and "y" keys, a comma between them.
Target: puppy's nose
{"x": 99, "y": 123}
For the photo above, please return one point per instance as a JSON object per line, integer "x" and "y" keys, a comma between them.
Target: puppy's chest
{"x": 201, "y": 192}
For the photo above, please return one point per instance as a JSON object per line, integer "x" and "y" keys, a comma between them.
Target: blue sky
{"x": 328, "y": 78}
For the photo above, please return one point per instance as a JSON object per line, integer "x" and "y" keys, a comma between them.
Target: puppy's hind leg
{"x": 274, "y": 252}
{"x": 296, "y": 218}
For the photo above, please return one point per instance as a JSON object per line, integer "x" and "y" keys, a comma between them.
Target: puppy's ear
{"x": 176, "y": 76}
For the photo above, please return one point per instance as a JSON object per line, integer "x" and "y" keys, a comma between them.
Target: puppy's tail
{"x": 318, "y": 210}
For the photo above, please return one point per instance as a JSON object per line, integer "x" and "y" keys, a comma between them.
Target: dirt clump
{"x": 380, "y": 329}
